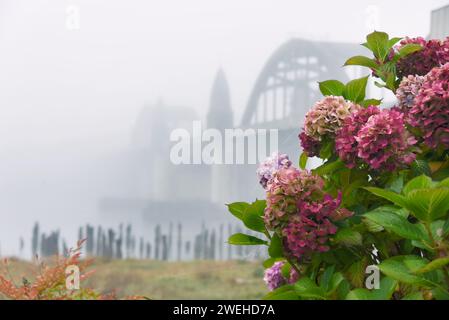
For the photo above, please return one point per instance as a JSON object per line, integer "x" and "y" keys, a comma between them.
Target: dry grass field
{"x": 169, "y": 280}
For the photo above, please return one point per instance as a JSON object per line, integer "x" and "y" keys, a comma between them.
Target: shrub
{"x": 380, "y": 199}
{"x": 50, "y": 281}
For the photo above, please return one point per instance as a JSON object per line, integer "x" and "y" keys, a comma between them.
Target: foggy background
{"x": 70, "y": 98}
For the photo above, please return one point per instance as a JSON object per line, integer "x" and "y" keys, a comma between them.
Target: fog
{"x": 71, "y": 94}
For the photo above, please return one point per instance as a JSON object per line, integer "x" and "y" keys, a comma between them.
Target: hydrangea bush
{"x": 380, "y": 199}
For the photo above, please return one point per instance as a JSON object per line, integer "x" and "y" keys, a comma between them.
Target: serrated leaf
{"x": 348, "y": 237}
{"x": 370, "y": 102}
{"x": 394, "y": 197}
{"x": 402, "y": 268}
{"x": 303, "y": 160}
{"x": 408, "y": 49}
{"x": 421, "y": 167}
{"x": 433, "y": 265}
{"x": 355, "y": 90}
{"x": 275, "y": 250}
{"x": 395, "y": 223}
{"x": 419, "y": 182}
{"x": 331, "y": 88}
{"x": 308, "y": 289}
{"x": 286, "y": 292}
{"x": 361, "y": 61}
{"x": 428, "y": 204}
{"x": 329, "y": 167}
{"x": 378, "y": 43}
{"x": 240, "y": 239}
{"x": 237, "y": 209}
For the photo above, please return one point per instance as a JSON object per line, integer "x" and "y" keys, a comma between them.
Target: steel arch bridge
{"x": 287, "y": 85}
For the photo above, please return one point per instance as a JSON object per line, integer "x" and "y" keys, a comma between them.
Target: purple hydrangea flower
{"x": 274, "y": 278}
{"x": 270, "y": 166}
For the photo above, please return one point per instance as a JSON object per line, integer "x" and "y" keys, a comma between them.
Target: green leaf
{"x": 275, "y": 250}
{"x": 329, "y": 167}
{"x": 303, "y": 160}
{"x": 370, "y": 102}
{"x": 443, "y": 184}
{"x": 326, "y": 150}
{"x": 395, "y": 223}
{"x": 252, "y": 216}
{"x": 270, "y": 261}
{"x": 414, "y": 296}
{"x": 282, "y": 293}
{"x": 258, "y": 207}
{"x": 308, "y": 289}
{"x": 421, "y": 167}
{"x": 238, "y": 208}
{"x": 331, "y": 88}
{"x": 389, "y": 195}
{"x": 419, "y": 182}
{"x": 361, "y": 61}
{"x": 359, "y": 294}
{"x": 348, "y": 237}
{"x": 286, "y": 269}
{"x": 393, "y": 41}
{"x": 240, "y": 239}
{"x": 428, "y": 204}
{"x": 402, "y": 268}
{"x": 326, "y": 278}
{"x": 378, "y": 43}
{"x": 386, "y": 289}
{"x": 355, "y": 90}
{"x": 408, "y": 49}
{"x": 434, "y": 265}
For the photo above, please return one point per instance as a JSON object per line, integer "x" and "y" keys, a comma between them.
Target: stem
{"x": 294, "y": 266}
{"x": 434, "y": 244}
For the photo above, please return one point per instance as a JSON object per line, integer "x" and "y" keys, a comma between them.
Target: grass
{"x": 171, "y": 280}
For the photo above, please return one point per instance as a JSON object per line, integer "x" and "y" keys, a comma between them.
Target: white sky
{"x": 67, "y": 96}
{"x": 58, "y": 85}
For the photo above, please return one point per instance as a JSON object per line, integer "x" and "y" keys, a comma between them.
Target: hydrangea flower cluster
{"x": 430, "y": 113}
{"x": 310, "y": 146}
{"x": 407, "y": 91}
{"x": 270, "y": 166}
{"x": 274, "y": 278}
{"x": 323, "y": 121}
{"x": 288, "y": 187}
{"x": 309, "y": 231}
{"x": 375, "y": 137}
{"x": 434, "y": 54}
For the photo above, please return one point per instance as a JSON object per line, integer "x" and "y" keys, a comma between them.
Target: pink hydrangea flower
{"x": 323, "y": 121}
{"x": 309, "y": 231}
{"x": 270, "y": 166}
{"x": 434, "y": 54}
{"x": 327, "y": 116}
{"x": 430, "y": 113}
{"x": 288, "y": 186}
{"x": 377, "y": 138}
{"x": 345, "y": 141}
{"x": 274, "y": 278}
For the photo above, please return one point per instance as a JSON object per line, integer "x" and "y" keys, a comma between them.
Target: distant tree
{"x": 213, "y": 243}
{"x": 179, "y": 253}
{"x": 141, "y": 248}
{"x": 35, "y": 240}
{"x": 164, "y": 247}
{"x": 220, "y": 242}
{"x": 148, "y": 250}
{"x": 157, "y": 241}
